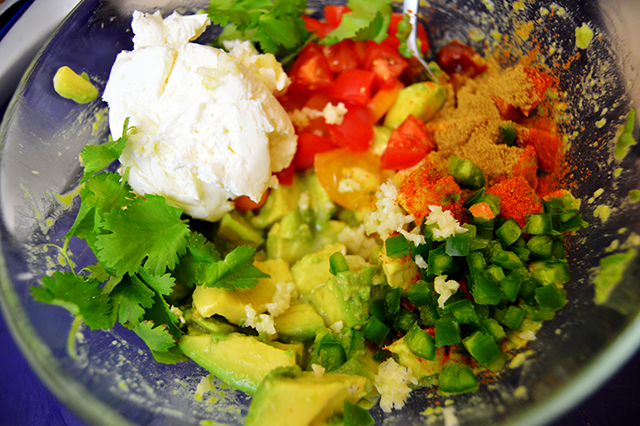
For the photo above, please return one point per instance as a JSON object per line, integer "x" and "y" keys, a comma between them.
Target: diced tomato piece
{"x": 384, "y": 99}
{"x": 318, "y": 101}
{"x": 360, "y": 48}
{"x": 333, "y": 14}
{"x": 293, "y": 100}
{"x": 458, "y": 58}
{"x": 351, "y": 179}
{"x": 545, "y": 143}
{"x": 527, "y": 166}
{"x": 341, "y": 56}
{"x": 310, "y": 72}
{"x": 309, "y": 145}
{"x": 518, "y": 199}
{"x": 285, "y": 176}
{"x": 541, "y": 82}
{"x": 384, "y": 61}
{"x": 244, "y": 204}
{"x": 392, "y": 40}
{"x": 315, "y": 26}
{"x": 356, "y": 131}
{"x": 354, "y": 86}
{"x": 407, "y": 146}
{"x": 482, "y": 210}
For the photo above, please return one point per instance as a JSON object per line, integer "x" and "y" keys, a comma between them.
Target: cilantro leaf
{"x": 131, "y": 297}
{"x": 80, "y": 295}
{"x": 170, "y": 356}
{"x": 148, "y": 230}
{"x": 368, "y": 20}
{"x": 199, "y": 252}
{"x": 101, "y": 194}
{"x": 235, "y": 271}
{"x": 161, "y": 284}
{"x": 276, "y": 25}
{"x": 157, "y": 337}
{"x": 96, "y": 157}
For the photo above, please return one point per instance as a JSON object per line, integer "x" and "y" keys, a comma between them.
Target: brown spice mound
{"x": 468, "y": 126}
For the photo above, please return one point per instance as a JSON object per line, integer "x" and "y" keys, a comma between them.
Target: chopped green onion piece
{"x": 421, "y": 293}
{"x": 476, "y": 262}
{"x": 375, "y": 330}
{"x": 421, "y": 343}
{"x": 439, "y": 262}
{"x": 456, "y": 378}
{"x": 447, "y": 331}
{"x": 338, "y": 263}
{"x": 509, "y": 232}
{"x": 397, "y": 246}
{"x": 458, "y": 244}
{"x": 404, "y": 320}
{"x": 495, "y": 330}
{"x": 428, "y": 315}
{"x": 466, "y": 173}
{"x": 507, "y": 259}
{"x": 484, "y": 349}
{"x": 539, "y": 224}
{"x": 485, "y": 291}
{"x": 550, "y": 272}
{"x": 513, "y": 317}
{"x": 550, "y": 297}
{"x": 355, "y": 415}
{"x": 510, "y": 285}
{"x": 392, "y": 303}
{"x": 377, "y": 309}
{"x": 331, "y": 355}
{"x": 509, "y": 133}
{"x": 463, "y": 310}
{"x": 494, "y": 273}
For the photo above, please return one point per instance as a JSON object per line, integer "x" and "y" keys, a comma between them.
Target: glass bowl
{"x": 116, "y": 382}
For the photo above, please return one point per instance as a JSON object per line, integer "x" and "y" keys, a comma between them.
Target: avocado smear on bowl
{"x": 400, "y": 241}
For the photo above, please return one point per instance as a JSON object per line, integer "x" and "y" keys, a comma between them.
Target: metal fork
{"x": 418, "y": 69}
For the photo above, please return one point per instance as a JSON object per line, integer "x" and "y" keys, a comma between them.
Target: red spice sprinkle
{"x": 518, "y": 200}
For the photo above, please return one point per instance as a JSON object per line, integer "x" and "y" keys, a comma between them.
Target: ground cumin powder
{"x": 468, "y": 125}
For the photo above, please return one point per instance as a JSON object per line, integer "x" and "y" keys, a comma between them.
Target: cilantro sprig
{"x": 368, "y": 20}
{"x": 144, "y": 248}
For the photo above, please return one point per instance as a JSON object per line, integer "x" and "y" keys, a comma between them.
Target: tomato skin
{"x": 315, "y": 26}
{"x": 384, "y": 61}
{"x": 341, "y": 56}
{"x": 244, "y": 204}
{"x": 392, "y": 39}
{"x": 356, "y": 131}
{"x": 310, "y": 71}
{"x": 333, "y": 166}
{"x": 333, "y": 15}
{"x": 309, "y": 145}
{"x": 545, "y": 143}
{"x": 407, "y": 146}
{"x": 353, "y": 86}
{"x": 285, "y": 176}
{"x": 384, "y": 98}
{"x": 458, "y": 58}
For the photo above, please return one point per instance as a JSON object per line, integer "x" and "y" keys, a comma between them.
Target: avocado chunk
{"x": 313, "y": 269}
{"x": 292, "y": 237}
{"x": 345, "y": 297}
{"x": 422, "y": 100}
{"x": 299, "y": 323}
{"x": 291, "y": 397}
{"x": 320, "y": 202}
{"x": 235, "y": 230}
{"x": 214, "y": 324}
{"x": 281, "y": 200}
{"x": 231, "y": 303}
{"x": 239, "y": 360}
{"x": 400, "y": 272}
{"x": 423, "y": 369}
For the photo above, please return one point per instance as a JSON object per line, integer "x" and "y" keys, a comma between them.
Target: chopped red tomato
{"x": 354, "y": 86}
{"x": 318, "y": 101}
{"x": 482, "y": 210}
{"x": 309, "y": 145}
{"x": 285, "y": 176}
{"x": 310, "y": 71}
{"x": 407, "y": 146}
{"x": 392, "y": 40}
{"x": 384, "y": 98}
{"x": 360, "y": 48}
{"x": 384, "y": 61}
{"x": 315, "y": 26}
{"x": 356, "y": 131}
{"x": 351, "y": 179}
{"x": 333, "y": 14}
{"x": 341, "y": 56}
{"x": 244, "y": 204}
{"x": 458, "y": 58}
{"x": 545, "y": 143}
